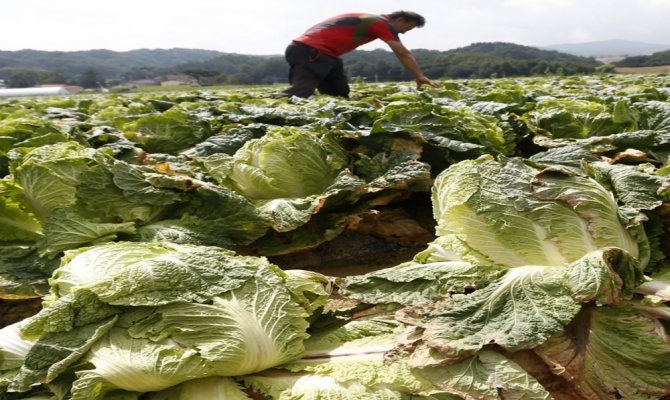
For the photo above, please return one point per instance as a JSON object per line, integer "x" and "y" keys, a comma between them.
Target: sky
{"x": 267, "y": 26}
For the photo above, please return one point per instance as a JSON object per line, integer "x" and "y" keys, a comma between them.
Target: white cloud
{"x": 266, "y": 26}
{"x": 538, "y": 6}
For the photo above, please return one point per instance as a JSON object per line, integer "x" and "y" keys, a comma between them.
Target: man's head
{"x": 405, "y": 21}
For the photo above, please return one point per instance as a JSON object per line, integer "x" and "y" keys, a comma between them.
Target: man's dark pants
{"x": 311, "y": 69}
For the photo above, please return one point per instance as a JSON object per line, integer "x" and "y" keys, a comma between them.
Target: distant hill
{"x": 243, "y": 68}
{"x": 483, "y": 60}
{"x": 614, "y": 47}
{"x": 108, "y": 63}
{"x": 479, "y": 60}
{"x": 517, "y": 52}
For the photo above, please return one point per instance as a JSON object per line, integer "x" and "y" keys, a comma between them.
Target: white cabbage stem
{"x": 655, "y": 288}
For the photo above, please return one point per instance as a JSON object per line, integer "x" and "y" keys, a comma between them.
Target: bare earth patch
{"x": 643, "y": 70}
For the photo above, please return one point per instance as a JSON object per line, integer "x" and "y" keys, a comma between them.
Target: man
{"x": 314, "y": 57}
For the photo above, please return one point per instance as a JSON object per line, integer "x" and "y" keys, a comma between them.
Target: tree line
{"x": 29, "y": 77}
{"x": 479, "y": 60}
{"x": 652, "y": 60}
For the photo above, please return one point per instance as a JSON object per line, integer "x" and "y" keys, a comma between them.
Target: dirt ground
{"x": 643, "y": 70}
{"x": 371, "y": 247}
{"x": 12, "y": 311}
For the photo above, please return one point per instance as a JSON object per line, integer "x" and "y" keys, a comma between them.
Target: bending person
{"x": 314, "y": 57}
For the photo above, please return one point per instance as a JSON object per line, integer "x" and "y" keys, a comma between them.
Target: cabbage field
{"x": 510, "y": 237}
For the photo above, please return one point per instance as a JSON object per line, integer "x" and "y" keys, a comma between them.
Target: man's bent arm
{"x": 408, "y": 61}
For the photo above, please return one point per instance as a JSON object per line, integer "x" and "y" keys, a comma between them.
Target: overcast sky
{"x": 266, "y": 26}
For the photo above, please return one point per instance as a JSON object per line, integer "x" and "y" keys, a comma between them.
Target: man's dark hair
{"x": 409, "y": 16}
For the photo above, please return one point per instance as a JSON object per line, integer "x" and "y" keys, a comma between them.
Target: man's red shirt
{"x": 343, "y": 33}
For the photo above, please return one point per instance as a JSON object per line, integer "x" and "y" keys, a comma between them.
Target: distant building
{"x": 69, "y": 88}
{"x": 174, "y": 80}
{"x": 2, "y": 84}
{"x": 174, "y": 83}
{"x": 34, "y": 91}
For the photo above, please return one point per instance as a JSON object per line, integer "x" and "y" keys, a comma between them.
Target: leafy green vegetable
{"x": 521, "y": 309}
{"x": 140, "y": 365}
{"x": 613, "y": 351}
{"x": 282, "y": 164}
{"x": 170, "y": 132}
{"x": 214, "y": 388}
{"x": 288, "y": 174}
{"x": 138, "y": 217}
{"x": 452, "y": 130}
{"x": 512, "y": 214}
{"x": 246, "y": 330}
{"x": 13, "y": 352}
{"x": 357, "y": 359}
{"x": 49, "y": 175}
{"x": 53, "y": 353}
{"x": 166, "y": 313}
{"x": 127, "y": 273}
{"x": 574, "y": 118}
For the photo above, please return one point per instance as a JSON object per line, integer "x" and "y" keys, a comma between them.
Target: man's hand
{"x": 422, "y": 80}
{"x": 407, "y": 60}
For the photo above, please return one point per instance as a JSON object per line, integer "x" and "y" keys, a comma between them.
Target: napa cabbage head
{"x": 455, "y": 133}
{"x": 289, "y": 174}
{"x": 249, "y": 329}
{"x": 544, "y": 241}
{"x": 520, "y": 249}
{"x": 170, "y": 313}
{"x": 575, "y": 118}
{"x": 50, "y": 175}
{"x": 512, "y": 214}
{"x": 285, "y": 163}
{"x": 139, "y": 274}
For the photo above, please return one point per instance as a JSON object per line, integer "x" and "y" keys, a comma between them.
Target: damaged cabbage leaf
{"x": 414, "y": 283}
{"x": 575, "y": 118}
{"x": 357, "y": 360}
{"x": 521, "y": 309}
{"x": 169, "y": 132}
{"x": 454, "y": 132}
{"x": 545, "y": 241}
{"x": 613, "y": 352}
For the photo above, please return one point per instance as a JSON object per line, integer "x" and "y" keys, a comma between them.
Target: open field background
{"x": 659, "y": 69}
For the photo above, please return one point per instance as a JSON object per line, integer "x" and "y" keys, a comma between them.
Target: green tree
{"x": 272, "y": 70}
{"x": 91, "y": 79}
{"x": 20, "y": 78}
{"x": 202, "y": 76}
{"x": 143, "y": 72}
{"x": 57, "y": 75}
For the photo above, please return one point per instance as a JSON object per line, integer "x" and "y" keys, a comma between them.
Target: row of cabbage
{"x": 144, "y": 222}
